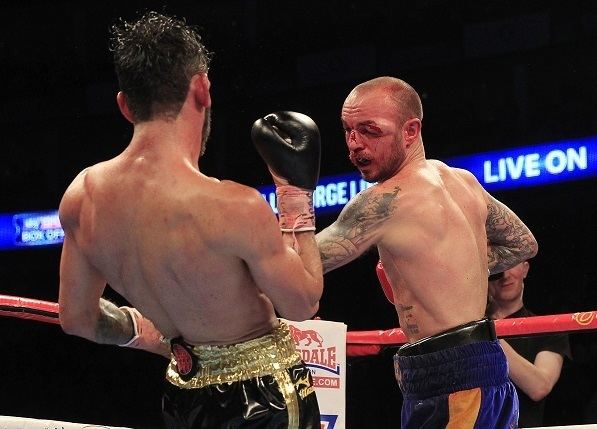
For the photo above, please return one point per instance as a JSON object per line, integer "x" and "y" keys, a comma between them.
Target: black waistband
{"x": 472, "y": 332}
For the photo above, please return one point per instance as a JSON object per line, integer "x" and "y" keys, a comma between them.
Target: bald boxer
{"x": 202, "y": 261}
{"x": 437, "y": 232}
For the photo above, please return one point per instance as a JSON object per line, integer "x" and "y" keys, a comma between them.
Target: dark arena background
{"x": 493, "y": 75}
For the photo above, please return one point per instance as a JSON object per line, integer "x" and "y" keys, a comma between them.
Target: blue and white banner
{"x": 20, "y": 230}
{"x": 532, "y": 165}
{"x": 499, "y": 170}
{"x": 496, "y": 170}
{"x": 331, "y": 194}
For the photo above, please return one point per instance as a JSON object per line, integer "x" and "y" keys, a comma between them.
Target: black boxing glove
{"x": 290, "y": 145}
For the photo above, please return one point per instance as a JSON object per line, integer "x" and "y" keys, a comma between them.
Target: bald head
{"x": 408, "y": 103}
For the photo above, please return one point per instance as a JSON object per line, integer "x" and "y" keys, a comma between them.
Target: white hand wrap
{"x": 295, "y": 209}
{"x": 146, "y": 336}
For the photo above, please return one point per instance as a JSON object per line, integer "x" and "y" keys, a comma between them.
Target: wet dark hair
{"x": 155, "y": 58}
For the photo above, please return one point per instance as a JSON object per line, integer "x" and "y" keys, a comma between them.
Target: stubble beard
{"x": 391, "y": 165}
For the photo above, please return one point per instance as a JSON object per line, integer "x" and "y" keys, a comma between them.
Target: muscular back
{"x": 170, "y": 239}
{"x": 428, "y": 223}
{"x": 434, "y": 249}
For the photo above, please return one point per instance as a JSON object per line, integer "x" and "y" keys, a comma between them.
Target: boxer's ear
{"x": 200, "y": 85}
{"x": 411, "y": 130}
{"x": 124, "y": 107}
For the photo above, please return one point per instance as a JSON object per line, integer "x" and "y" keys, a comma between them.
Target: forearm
{"x": 114, "y": 326}
{"x": 527, "y": 376}
{"x": 509, "y": 240}
{"x": 307, "y": 250}
{"x": 104, "y": 324}
{"x": 503, "y": 257}
{"x": 305, "y": 246}
{"x": 335, "y": 253}
{"x": 339, "y": 245}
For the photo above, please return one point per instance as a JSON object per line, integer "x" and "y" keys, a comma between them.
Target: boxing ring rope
{"x": 358, "y": 343}
{"x": 28, "y": 308}
{"x": 365, "y": 343}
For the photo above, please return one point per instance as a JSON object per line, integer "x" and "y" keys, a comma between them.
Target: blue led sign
{"x": 532, "y": 165}
{"x": 331, "y": 194}
{"x": 497, "y": 170}
{"x": 30, "y": 229}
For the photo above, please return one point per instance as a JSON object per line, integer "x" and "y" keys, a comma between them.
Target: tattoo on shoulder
{"x": 355, "y": 225}
{"x": 366, "y": 209}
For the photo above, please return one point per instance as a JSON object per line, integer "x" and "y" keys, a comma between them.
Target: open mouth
{"x": 360, "y": 161}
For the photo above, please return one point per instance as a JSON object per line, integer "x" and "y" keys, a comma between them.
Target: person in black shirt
{"x": 534, "y": 362}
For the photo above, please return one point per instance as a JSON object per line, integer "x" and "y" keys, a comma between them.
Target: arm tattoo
{"x": 509, "y": 240}
{"x": 114, "y": 325}
{"x": 354, "y": 227}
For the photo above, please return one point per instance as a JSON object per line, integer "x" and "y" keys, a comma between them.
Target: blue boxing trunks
{"x": 456, "y": 379}
{"x": 260, "y": 383}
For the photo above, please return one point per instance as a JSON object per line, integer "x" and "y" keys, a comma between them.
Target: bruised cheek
{"x": 381, "y": 155}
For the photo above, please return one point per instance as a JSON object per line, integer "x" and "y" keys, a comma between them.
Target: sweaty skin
{"x": 436, "y": 229}
{"x": 199, "y": 257}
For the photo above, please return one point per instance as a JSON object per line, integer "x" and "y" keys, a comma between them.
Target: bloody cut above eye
{"x": 374, "y": 129}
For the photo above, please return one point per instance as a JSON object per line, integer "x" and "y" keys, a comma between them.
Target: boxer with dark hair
{"x": 203, "y": 261}
{"x": 437, "y": 232}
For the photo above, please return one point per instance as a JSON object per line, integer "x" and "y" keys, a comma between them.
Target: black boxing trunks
{"x": 260, "y": 383}
{"x": 456, "y": 379}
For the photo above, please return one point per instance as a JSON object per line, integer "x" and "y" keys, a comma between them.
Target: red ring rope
{"x": 358, "y": 343}
{"x": 364, "y": 343}
{"x": 27, "y": 308}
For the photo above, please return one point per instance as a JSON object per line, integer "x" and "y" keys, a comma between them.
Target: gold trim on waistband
{"x": 261, "y": 356}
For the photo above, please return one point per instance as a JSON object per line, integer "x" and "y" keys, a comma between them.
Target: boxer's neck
{"x": 169, "y": 137}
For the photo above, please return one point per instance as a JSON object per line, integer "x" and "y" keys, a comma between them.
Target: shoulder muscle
{"x": 251, "y": 222}
{"x": 70, "y": 204}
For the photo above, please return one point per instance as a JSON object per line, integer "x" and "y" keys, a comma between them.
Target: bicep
{"x": 81, "y": 285}
{"x": 357, "y": 228}
{"x": 339, "y": 245}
